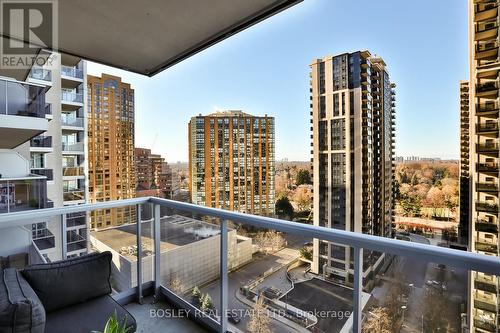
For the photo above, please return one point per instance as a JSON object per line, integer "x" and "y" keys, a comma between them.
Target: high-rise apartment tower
{"x": 353, "y": 127}
{"x": 231, "y": 162}
{"x": 110, "y": 147}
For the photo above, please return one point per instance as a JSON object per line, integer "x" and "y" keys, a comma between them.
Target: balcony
{"x": 491, "y": 148}
{"x": 489, "y": 11}
{"x": 22, "y": 113}
{"x": 76, "y": 220}
{"x": 74, "y": 98}
{"x": 73, "y": 148}
{"x": 486, "y": 187}
{"x": 48, "y": 173}
{"x": 486, "y": 207}
{"x": 487, "y": 51}
{"x": 487, "y": 167}
{"x": 73, "y": 171}
{"x": 487, "y": 33}
{"x": 41, "y": 74}
{"x": 74, "y": 195}
{"x": 43, "y": 142}
{"x": 487, "y": 90}
{"x": 160, "y": 247}
{"x": 72, "y": 72}
{"x": 486, "y": 247}
{"x": 485, "y": 303}
{"x": 72, "y": 122}
{"x": 20, "y": 194}
{"x": 486, "y": 226}
{"x": 44, "y": 239}
{"x": 487, "y": 110}
{"x": 488, "y": 127}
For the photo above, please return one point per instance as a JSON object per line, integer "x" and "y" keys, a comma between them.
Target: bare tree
{"x": 378, "y": 321}
{"x": 259, "y": 321}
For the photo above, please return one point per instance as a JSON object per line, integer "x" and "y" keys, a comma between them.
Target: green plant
{"x": 113, "y": 325}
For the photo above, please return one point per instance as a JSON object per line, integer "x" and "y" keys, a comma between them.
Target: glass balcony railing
{"x": 41, "y": 141}
{"x": 49, "y": 173}
{"x": 73, "y": 195}
{"x": 44, "y": 239}
{"x": 486, "y": 207}
{"x": 72, "y": 97}
{"x": 486, "y": 187}
{"x": 221, "y": 265}
{"x": 487, "y": 167}
{"x": 487, "y": 127}
{"x": 487, "y": 148}
{"x": 75, "y": 122}
{"x": 20, "y": 194}
{"x": 73, "y": 171}
{"x": 486, "y": 87}
{"x": 75, "y": 147}
{"x": 72, "y": 72}
{"x": 22, "y": 99}
{"x": 41, "y": 74}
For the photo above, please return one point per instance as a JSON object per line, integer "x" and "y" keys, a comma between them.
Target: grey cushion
{"x": 64, "y": 283}
{"x": 20, "y": 309}
{"x": 88, "y": 317}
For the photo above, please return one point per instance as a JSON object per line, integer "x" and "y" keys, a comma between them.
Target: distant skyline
{"x": 265, "y": 70}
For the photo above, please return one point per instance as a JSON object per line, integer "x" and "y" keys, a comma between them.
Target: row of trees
{"x": 427, "y": 189}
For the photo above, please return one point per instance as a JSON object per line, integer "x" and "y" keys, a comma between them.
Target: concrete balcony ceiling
{"x": 147, "y": 37}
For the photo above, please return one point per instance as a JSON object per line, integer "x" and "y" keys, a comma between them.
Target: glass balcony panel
{"x": 23, "y": 194}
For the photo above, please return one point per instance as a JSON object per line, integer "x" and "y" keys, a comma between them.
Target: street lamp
{"x": 403, "y": 307}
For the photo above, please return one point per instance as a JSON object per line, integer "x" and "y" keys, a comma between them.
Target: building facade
{"x": 484, "y": 159}
{"x": 60, "y": 152}
{"x": 231, "y": 162}
{"x": 463, "y": 227}
{"x": 110, "y": 148}
{"x": 353, "y": 128}
{"x": 154, "y": 175}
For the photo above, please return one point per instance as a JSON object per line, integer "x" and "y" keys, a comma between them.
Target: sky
{"x": 265, "y": 70}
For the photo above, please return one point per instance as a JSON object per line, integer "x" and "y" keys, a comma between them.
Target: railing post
{"x": 223, "y": 277}
{"x": 358, "y": 290}
{"x": 139, "y": 254}
{"x": 157, "y": 240}
{"x": 64, "y": 237}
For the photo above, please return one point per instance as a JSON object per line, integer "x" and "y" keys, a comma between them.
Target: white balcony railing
{"x": 416, "y": 251}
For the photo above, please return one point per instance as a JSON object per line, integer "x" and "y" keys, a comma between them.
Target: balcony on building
{"x": 76, "y": 220}
{"x": 73, "y": 171}
{"x": 40, "y": 76}
{"x": 487, "y": 148}
{"x": 487, "y": 167}
{"x": 483, "y": 225}
{"x": 485, "y": 11}
{"x": 41, "y": 143}
{"x": 489, "y": 127}
{"x": 23, "y": 193}
{"x": 487, "y": 31}
{"x": 44, "y": 239}
{"x": 76, "y": 148}
{"x": 71, "y": 76}
{"x": 487, "y": 90}
{"x": 69, "y": 121}
{"x": 76, "y": 242}
{"x": 22, "y": 112}
{"x": 486, "y": 51}
{"x": 489, "y": 110}
{"x": 47, "y": 173}
{"x": 72, "y": 98}
{"x": 483, "y": 206}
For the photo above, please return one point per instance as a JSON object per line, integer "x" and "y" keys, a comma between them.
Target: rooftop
{"x": 176, "y": 230}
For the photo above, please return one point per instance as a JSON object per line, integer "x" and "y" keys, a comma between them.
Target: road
{"x": 417, "y": 272}
{"x": 246, "y": 274}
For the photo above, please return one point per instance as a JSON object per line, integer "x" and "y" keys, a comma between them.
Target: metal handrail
{"x": 455, "y": 258}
